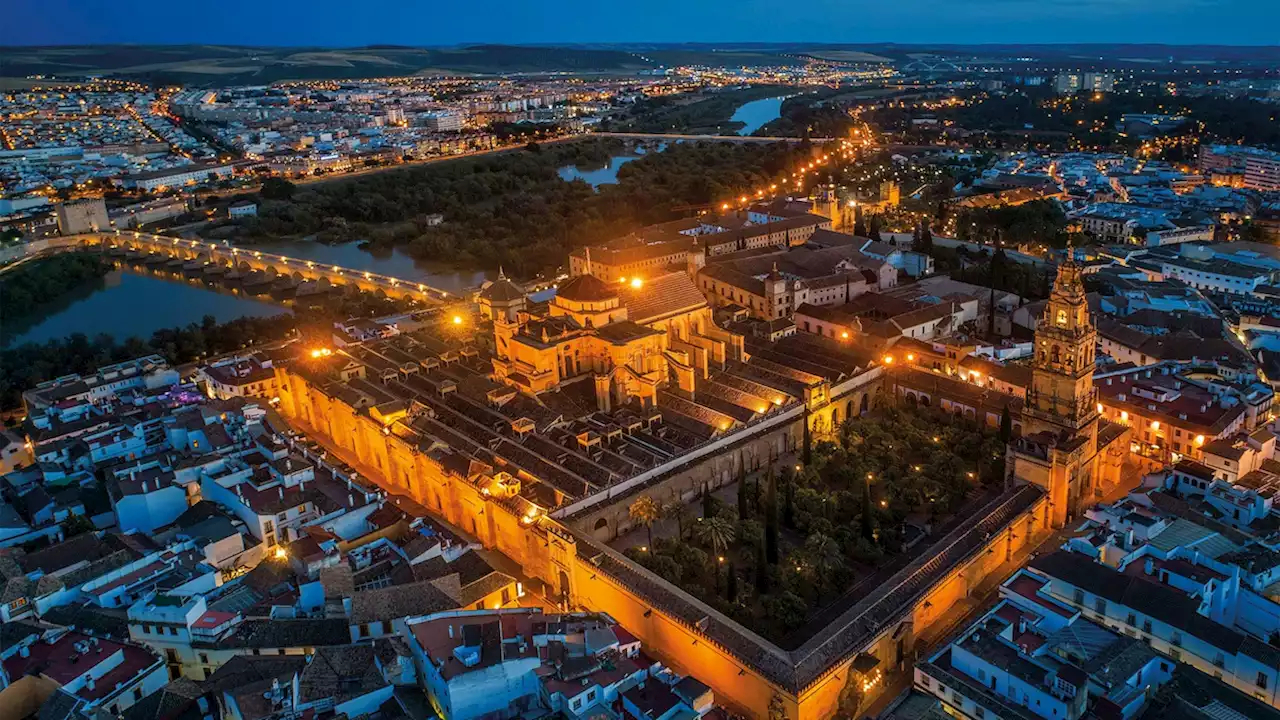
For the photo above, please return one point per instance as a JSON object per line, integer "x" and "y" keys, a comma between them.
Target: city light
{"x": 636, "y": 283}
{"x": 321, "y": 352}
{"x": 457, "y": 319}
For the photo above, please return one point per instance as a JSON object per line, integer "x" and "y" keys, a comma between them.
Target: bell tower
{"x": 1062, "y": 396}
{"x": 1059, "y": 447}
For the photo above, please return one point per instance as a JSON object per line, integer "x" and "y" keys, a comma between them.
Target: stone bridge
{"x": 247, "y": 259}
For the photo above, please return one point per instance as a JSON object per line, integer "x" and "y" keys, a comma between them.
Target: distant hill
{"x": 240, "y": 65}
{"x": 234, "y": 65}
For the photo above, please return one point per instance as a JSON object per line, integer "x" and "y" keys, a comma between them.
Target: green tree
{"x": 76, "y": 525}
{"x": 680, "y": 512}
{"x": 823, "y": 552}
{"x": 274, "y": 188}
{"x": 926, "y": 240}
{"x": 731, "y": 584}
{"x": 771, "y": 521}
{"x": 762, "y": 571}
{"x": 786, "y": 608}
{"x": 789, "y": 502}
{"x": 742, "y": 497}
{"x": 868, "y": 511}
{"x": 645, "y": 511}
{"x": 715, "y": 532}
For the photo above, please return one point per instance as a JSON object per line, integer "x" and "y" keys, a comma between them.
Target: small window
{"x": 1262, "y": 680}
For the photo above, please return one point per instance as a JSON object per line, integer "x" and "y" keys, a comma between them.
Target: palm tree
{"x": 680, "y": 512}
{"x": 716, "y": 532}
{"x": 823, "y": 551}
{"x": 645, "y": 511}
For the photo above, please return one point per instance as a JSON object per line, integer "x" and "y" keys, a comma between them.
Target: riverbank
{"x": 709, "y": 115}
{"x": 35, "y": 288}
{"x": 516, "y": 212}
{"x": 193, "y": 334}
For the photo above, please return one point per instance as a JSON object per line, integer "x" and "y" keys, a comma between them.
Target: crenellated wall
{"x": 746, "y": 671}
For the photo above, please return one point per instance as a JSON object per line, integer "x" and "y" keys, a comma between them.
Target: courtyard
{"x": 785, "y": 550}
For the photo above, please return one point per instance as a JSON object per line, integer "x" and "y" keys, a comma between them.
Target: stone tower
{"x": 1061, "y": 396}
{"x": 1058, "y": 448}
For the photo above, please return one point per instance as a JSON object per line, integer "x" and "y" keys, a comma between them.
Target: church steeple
{"x": 1062, "y": 392}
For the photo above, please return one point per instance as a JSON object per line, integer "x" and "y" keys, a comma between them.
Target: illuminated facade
{"x": 630, "y": 337}
{"x": 1064, "y": 447}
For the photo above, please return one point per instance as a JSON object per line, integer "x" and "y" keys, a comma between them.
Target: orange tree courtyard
{"x": 796, "y": 542}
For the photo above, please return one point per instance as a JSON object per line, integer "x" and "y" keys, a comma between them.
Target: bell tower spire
{"x": 1062, "y": 392}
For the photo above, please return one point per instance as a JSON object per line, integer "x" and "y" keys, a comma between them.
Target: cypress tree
{"x": 708, "y": 509}
{"x": 868, "y": 529}
{"x": 789, "y": 503}
{"x": 742, "y": 498}
{"x": 808, "y": 443}
{"x": 762, "y": 571}
{"x": 731, "y": 584}
{"x": 771, "y": 522}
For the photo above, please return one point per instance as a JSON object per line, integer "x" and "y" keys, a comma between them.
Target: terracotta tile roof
{"x": 662, "y": 296}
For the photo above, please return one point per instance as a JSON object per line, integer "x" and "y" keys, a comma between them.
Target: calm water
{"x": 607, "y": 175}
{"x": 758, "y": 112}
{"x": 128, "y": 304}
{"x": 394, "y": 263}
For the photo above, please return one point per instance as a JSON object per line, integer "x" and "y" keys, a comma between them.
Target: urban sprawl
{"x": 806, "y": 452}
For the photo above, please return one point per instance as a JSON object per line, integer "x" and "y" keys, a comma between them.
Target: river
{"x": 126, "y": 303}
{"x": 394, "y": 262}
{"x": 607, "y": 175}
{"x": 757, "y": 113}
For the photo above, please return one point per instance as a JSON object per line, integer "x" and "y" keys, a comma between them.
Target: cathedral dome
{"x": 586, "y": 289}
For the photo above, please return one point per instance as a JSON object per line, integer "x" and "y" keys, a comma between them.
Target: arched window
{"x": 1056, "y": 354}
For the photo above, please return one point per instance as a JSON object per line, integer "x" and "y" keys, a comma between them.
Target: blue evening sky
{"x": 446, "y": 22}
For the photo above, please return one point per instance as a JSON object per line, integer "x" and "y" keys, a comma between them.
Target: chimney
{"x": 280, "y": 491}
{"x": 450, "y": 629}
{"x": 1149, "y": 567}
{"x": 351, "y": 500}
